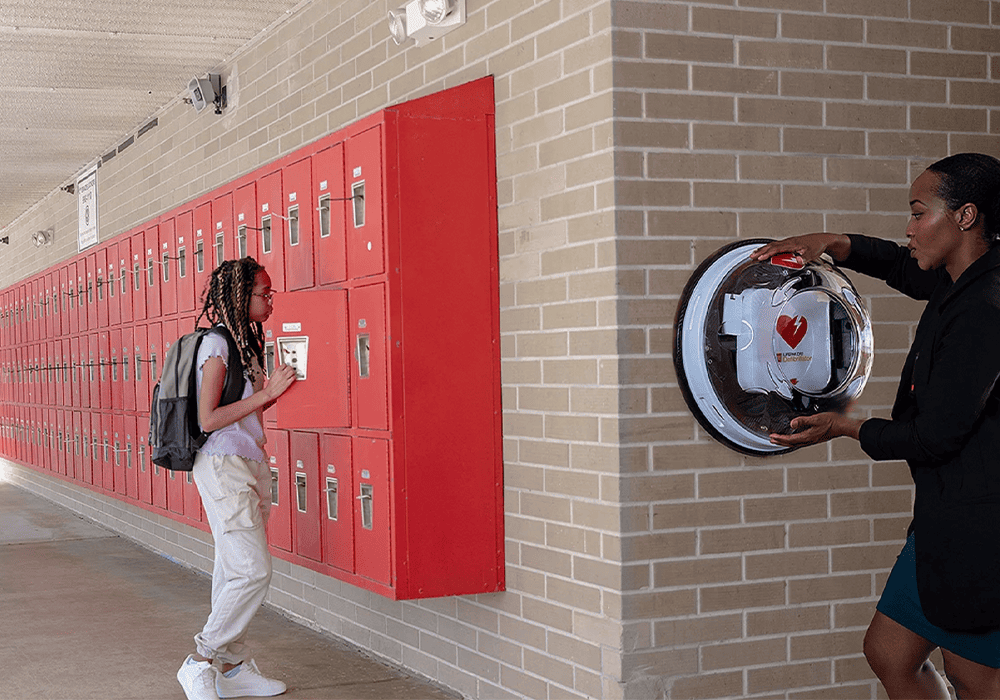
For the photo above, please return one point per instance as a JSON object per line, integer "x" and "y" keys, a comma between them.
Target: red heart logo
{"x": 792, "y": 330}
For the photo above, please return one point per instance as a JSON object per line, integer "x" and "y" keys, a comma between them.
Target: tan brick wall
{"x": 758, "y": 576}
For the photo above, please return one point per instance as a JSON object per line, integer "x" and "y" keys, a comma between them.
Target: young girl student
{"x": 234, "y": 482}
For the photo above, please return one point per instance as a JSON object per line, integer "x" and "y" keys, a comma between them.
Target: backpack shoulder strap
{"x": 232, "y": 390}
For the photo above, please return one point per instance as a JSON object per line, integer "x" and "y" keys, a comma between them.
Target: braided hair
{"x": 226, "y": 300}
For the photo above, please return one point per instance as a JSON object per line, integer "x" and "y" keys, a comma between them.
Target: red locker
{"x": 119, "y": 441}
{"x": 175, "y": 491}
{"x": 107, "y": 452}
{"x": 140, "y": 367}
{"x": 115, "y": 367}
{"x": 48, "y": 308}
{"x": 75, "y": 371}
{"x": 363, "y": 174}
{"x": 167, "y": 268}
{"x": 66, "y": 373}
{"x": 112, "y": 284}
{"x": 94, "y": 372}
{"x": 78, "y": 438}
{"x": 183, "y": 228}
{"x": 64, "y": 426}
{"x": 104, "y": 369}
{"x": 44, "y": 444}
{"x": 245, "y": 212}
{"x": 309, "y": 330}
{"x": 131, "y": 458}
{"x": 154, "y": 338}
{"x": 298, "y": 226}
{"x": 371, "y": 515}
{"x": 192, "y": 499}
{"x": 157, "y": 484}
{"x": 43, "y": 368}
{"x": 338, "y": 502}
{"x": 151, "y": 256}
{"x": 93, "y": 466}
{"x": 369, "y": 378}
{"x": 82, "y": 308}
{"x": 329, "y": 200}
{"x": 272, "y": 242}
{"x": 222, "y": 228}
{"x": 280, "y": 525}
{"x": 202, "y": 241}
{"x": 55, "y": 382}
{"x": 139, "y": 276}
{"x": 93, "y": 320}
{"x": 127, "y": 343}
{"x": 143, "y": 486}
{"x": 307, "y": 494}
{"x": 101, "y": 286}
{"x": 124, "y": 292}
{"x": 72, "y": 320}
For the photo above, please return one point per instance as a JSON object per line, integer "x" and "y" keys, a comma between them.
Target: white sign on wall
{"x": 86, "y": 187}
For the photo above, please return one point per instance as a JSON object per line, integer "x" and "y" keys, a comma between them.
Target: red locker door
{"x": 101, "y": 287}
{"x": 152, "y": 266}
{"x": 93, "y": 372}
{"x": 157, "y": 485}
{"x": 202, "y": 242}
{"x": 47, "y": 418}
{"x": 143, "y": 487}
{"x": 328, "y": 198}
{"x": 47, "y": 310}
{"x": 307, "y": 490}
{"x": 131, "y": 458}
{"x": 114, "y": 298}
{"x": 107, "y": 452}
{"x": 127, "y": 343}
{"x": 154, "y": 338}
{"x": 298, "y": 225}
{"x": 245, "y": 211}
{"x": 42, "y": 374}
{"x": 138, "y": 276}
{"x": 280, "y": 524}
{"x": 192, "y": 499}
{"x": 140, "y": 367}
{"x": 371, "y": 517}
{"x": 56, "y": 435}
{"x": 66, "y": 373}
{"x": 86, "y": 464}
{"x": 183, "y": 229}
{"x": 96, "y": 451}
{"x": 115, "y": 367}
{"x": 118, "y": 447}
{"x": 363, "y": 174}
{"x": 104, "y": 369}
{"x": 93, "y": 317}
{"x": 272, "y": 242}
{"x": 78, "y": 438}
{"x": 75, "y": 370}
{"x": 167, "y": 268}
{"x": 338, "y": 502}
{"x": 124, "y": 285}
{"x": 222, "y": 229}
{"x": 56, "y": 299}
{"x": 81, "y": 294}
{"x": 369, "y": 378}
{"x": 56, "y": 383}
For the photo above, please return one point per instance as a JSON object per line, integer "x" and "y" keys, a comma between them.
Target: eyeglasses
{"x": 266, "y": 297}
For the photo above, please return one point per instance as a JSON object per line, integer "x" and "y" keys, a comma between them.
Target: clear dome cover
{"x": 757, "y": 344}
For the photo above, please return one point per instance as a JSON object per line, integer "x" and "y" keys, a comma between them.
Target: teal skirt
{"x": 901, "y": 603}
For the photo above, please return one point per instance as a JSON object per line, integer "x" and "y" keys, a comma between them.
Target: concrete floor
{"x": 89, "y": 614}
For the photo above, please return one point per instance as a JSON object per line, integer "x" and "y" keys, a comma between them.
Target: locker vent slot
{"x": 300, "y": 489}
{"x": 324, "y": 216}
{"x": 274, "y": 486}
{"x": 366, "y": 506}
{"x": 331, "y": 498}
{"x": 358, "y": 198}
{"x": 293, "y": 225}
{"x": 265, "y": 235}
{"x": 362, "y": 353}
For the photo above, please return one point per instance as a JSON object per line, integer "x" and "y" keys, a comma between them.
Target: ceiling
{"x": 78, "y": 76}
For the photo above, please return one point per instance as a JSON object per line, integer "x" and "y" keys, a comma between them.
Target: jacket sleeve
{"x": 952, "y": 390}
{"x": 891, "y": 262}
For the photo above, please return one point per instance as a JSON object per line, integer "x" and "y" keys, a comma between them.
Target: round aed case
{"x": 758, "y": 343}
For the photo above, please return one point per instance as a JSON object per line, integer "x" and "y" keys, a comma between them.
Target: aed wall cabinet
{"x": 380, "y": 239}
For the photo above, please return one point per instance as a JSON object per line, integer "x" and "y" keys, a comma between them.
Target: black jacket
{"x": 946, "y": 425}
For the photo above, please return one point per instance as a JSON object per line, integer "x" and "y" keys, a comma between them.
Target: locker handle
{"x": 366, "y": 506}
{"x": 362, "y": 354}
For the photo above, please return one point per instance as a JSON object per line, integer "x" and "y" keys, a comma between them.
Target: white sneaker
{"x": 248, "y": 681}
{"x": 198, "y": 679}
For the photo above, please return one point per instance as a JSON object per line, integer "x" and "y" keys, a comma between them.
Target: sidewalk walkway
{"x": 89, "y": 614}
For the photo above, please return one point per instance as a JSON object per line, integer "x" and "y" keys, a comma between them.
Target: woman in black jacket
{"x": 944, "y": 590}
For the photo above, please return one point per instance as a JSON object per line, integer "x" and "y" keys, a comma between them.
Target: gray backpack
{"x": 174, "y": 433}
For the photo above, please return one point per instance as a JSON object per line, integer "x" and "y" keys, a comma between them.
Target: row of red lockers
{"x": 306, "y": 222}
{"x": 313, "y": 511}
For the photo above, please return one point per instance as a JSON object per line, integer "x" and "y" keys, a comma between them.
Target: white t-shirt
{"x": 245, "y": 437}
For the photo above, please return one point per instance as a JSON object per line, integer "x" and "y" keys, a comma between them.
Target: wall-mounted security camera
{"x": 206, "y": 91}
{"x": 425, "y": 20}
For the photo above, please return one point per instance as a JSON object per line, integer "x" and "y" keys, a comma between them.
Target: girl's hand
{"x": 810, "y": 430}
{"x": 807, "y": 247}
{"x": 282, "y": 378}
